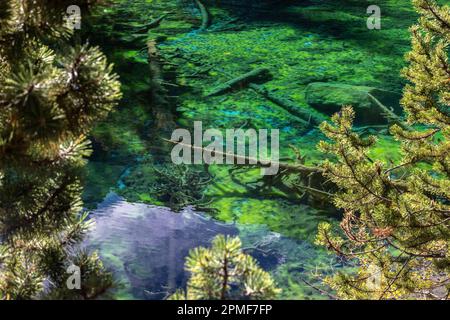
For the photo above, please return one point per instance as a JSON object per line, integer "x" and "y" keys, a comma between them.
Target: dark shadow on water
{"x": 344, "y": 20}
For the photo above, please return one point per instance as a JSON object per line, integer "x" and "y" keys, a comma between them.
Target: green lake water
{"x": 300, "y": 42}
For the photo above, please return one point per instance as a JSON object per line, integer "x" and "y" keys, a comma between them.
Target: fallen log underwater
{"x": 312, "y": 177}
{"x": 141, "y": 29}
{"x": 289, "y": 106}
{"x": 308, "y": 118}
{"x": 263, "y": 74}
{"x": 154, "y": 24}
{"x": 257, "y": 75}
{"x": 253, "y": 161}
{"x": 300, "y": 114}
{"x": 206, "y": 16}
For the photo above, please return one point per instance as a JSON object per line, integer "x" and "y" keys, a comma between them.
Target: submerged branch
{"x": 206, "y": 16}
{"x": 289, "y": 106}
{"x": 242, "y": 81}
{"x": 254, "y": 162}
{"x": 388, "y": 114}
{"x": 153, "y": 24}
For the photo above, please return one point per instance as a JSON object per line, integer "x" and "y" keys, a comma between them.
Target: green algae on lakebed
{"x": 300, "y": 44}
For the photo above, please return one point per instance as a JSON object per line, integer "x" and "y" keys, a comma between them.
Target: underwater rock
{"x": 330, "y": 97}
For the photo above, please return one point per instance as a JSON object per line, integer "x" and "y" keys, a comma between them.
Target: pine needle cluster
{"x": 396, "y": 223}
{"x": 225, "y": 272}
{"x": 51, "y": 94}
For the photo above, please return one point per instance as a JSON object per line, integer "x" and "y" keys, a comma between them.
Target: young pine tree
{"x": 51, "y": 94}
{"x": 225, "y": 272}
{"x": 397, "y": 217}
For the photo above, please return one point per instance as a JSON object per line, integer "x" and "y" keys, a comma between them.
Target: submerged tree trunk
{"x": 308, "y": 116}
{"x": 164, "y": 121}
{"x": 206, "y": 16}
{"x": 244, "y": 80}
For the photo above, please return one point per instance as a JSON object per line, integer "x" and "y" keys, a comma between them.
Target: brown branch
{"x": 391, "y": 283}
{"x": 326, "y": 293}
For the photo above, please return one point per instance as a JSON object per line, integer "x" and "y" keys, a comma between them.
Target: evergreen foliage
{"x": 51, "y": 93}
{"x": 225, "y": 272}
{"x": 396, "y": 216}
